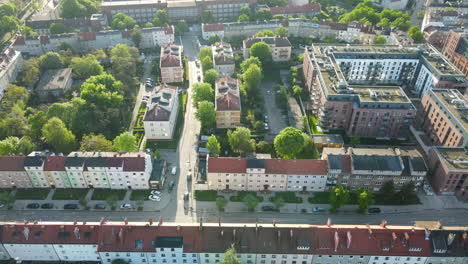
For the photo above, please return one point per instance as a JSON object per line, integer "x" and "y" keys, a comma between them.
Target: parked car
{"x": 47, "y": 206}
{"x": 171, "y": 185}
{"x": 374, "y": 210}
{"x": 126, "y": 206}
{"x": 2, "y": 205}
{"x": 100, "y": 206}
{"x": 189, "y": 176}
{"x": 174, "y": 170}
{"x": 186, "y": 196}
{"x": 265, "y": 125}
{"x": 197, "y": 63}
{"x": 199, "y": 78}
{"x": 318, "y": 209}
{"x": 153, "y": 197}
{"x": 154, "y": 192}
{"x": 268, "y": 208}
{"x": 70, "y": 206}
{"x": 33, "y": 206}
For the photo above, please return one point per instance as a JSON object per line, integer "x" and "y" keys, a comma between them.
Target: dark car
{"x": 33, "y": 206}
{"x": 171, "y": 185}
{"x": 70, "y": 206}
{"x": 268, "y": 208}
{"x": 47, "y": 206}
{"x": 374, "y": 210}
{"x": 100, "y": 206}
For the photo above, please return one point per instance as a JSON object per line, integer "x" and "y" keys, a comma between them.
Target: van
{"x": 174, "y": 170}
{"x": 186, "y": 196}
{"x": 171, "y": 185}
{"x": 189, "y": 176}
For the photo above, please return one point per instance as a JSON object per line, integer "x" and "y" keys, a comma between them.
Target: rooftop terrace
{"x": 456, "y": 103}
{"x": 455, "y": 158}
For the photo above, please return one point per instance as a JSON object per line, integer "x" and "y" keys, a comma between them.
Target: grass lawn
{"x": 319, "y": 198}
{"x": 240, "y": 195}
{"x": 31, "y": 194}
{"x": 172, "y": 144}
{"x": 102, "y": 194}
{"x": 288, "y": 197}
{"x": 69, "y": 194}
{"x": 209, "y": 195}
{"x": 140, "y": 195}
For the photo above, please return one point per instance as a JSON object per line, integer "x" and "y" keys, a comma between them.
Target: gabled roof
{"x": 307, "y": 8}
{"x": 54, "y": 163}
{"x": 13, "y": 163}
{"x": 74, "y": 161}
{"x": 33, "y": 161}
{"x": 277, "y": 41}
{"x": 227, "y": 165}
{"x": 134, "y": 163}
{"x": 227, "y": 94}
{"x": 213, "y": 27}
{"x": 376, "y": 163}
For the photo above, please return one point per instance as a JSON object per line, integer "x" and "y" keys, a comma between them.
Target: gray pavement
{"x": 276, "y": 119}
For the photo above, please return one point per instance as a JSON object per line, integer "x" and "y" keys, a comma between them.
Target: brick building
{"x": 227, "y": 102}
{"x": 456, "y": 49}
{"x": 172, "y": 68}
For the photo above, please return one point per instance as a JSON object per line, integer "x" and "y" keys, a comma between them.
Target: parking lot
{"x": 276, "y": 119}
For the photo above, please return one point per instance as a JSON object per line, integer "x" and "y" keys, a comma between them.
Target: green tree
{"x": 50, "y": 60}
{"x": 210, "y": 77}
{"x": 85, "y": 67}
{"x": 421, "y": 14}
{"x": 136, "y": 37}
{"x": 264, "y": 147}
{"x": 202, "y": 92}
{"x": 8, "y": 9}
{"x": 279, "y": 17}
{"x": 289, "y": 142}
{"x": 221, "y": 202}
{"x": 416, "y": 34}
{"x": 207, "y": 17}
{"x": 8, "y": 24}
{"x": 58, "y": 136}
{"x": 407, "y": 195}
{"x": 355, "y": 141}
{"x": 36, "y": 122}
{"x": 265, "y": 33}
{"x": 79, "y": 8}
{"x": 16, "y": 146}
{"x": 28, "y": 31}
{"x": 386, "y": 195}
{"x": 207, "y": 63}
{"x": 59, "y": 28}
{"x": 263, "y": 14}
{"x": 278, "y": 202}
{"x": 111, "y": 200}
{"x": 250, "y": 201}
{"x": 339, "y": 196}
{"x": 161, "y": 19}
{"x": 6, "y": 198}
{"x": 124, "y": 60}
{"x": 98, "y": 142}
{"x": 364, "y": 198}
{"x": 125, "y": 142}
{"x": 213, "y": 39}
{"x": 261, "y": 50}
{"x": 243, "y": 18}
{"x": 281, "y": 32}
{"x": 248, "y": 12}
{"x": 240, "y": 141}
{"x": 380, "y": 40}
{"x": 181, "y": 27}
{"x": 148, "y": 25}
{"x": 297, "y": 90}
{"x": 205, "y": 52}
{"x": 102, "y": 90}
{"x": 253, "y": 77}
{"x": 207, "y": 115}
{"x": 121, "y": 21}
{"x": 252, "y": 60}
{"x": 230, "y": 257}
{"x": 213, "y": 145}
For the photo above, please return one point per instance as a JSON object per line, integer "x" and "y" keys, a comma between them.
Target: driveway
{"x": 276, "y": 119}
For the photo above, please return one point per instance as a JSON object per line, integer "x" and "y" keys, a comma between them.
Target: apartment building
{"x": 247, "y": 174}
{"x": 161, "y": 113}
{"x": 55, "y": 173}
{"x": 34, "y": 166}
{"x": 12, "y": 173}
{"x": 455, "y": 49}
{"x": 280, "y": 47}
{"x": 212, "y": 29}
{"x": 75, "y": 166}
{"x": 443, "y": 116}
{"x": 370, "y": 168}
{"x": 158, "y": 242}
{"x": 85, "y": 42}
{"x": 172, "y": 68}
{"x": 223, "y": 59}
{"x": 227, "y": 102}
{"x": 54, "y": 83}
{"x": 11, "y": 61}
{"x": 449, "y": 167}
{"x": 359, "y": 88}
{"x": 396, "y": 4}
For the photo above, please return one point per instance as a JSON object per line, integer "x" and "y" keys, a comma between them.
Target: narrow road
{"x": 142, "y": 91}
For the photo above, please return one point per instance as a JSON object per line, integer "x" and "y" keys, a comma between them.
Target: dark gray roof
{"x": 169, "y": 242}
{"x": 33, "y": 161}
{"x": 418, "y": 164}
{"x": 377, "y": 163}
{"x": 158, "y": 169}
{"x": 255, "y": 163}
{"x": 449, "y": 243}
{"x": 334, "y": 162}
{"x": 96, "y": 162}
{"x": 74, "y": 161}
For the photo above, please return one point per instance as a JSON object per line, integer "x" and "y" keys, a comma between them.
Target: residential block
{"x": 223, "y": 59}
{"x": 11, "y": 61}
{"x": 227, "y": 102}
{"x": 281, "y": 47}
{"x": 172, "y": 69}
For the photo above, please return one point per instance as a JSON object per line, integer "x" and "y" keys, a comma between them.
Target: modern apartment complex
{"x": 87, "y": 41}
{"x": 248, "y": 174}
{"x": 227, "y": 102}
{"x": 370, "y": 168}
{"x": 456, "y": 49}
{"x": 443, "y": 116}
{"x": 152, "y": 242}
{"x": 77, "y": 170}
{"x": 360, "y": 88}
{"x": 280, "y": 47}
{"x": 10, "y": 64}
{"x": 172, "y": 68}
{"x": 449, "y": 171}
{"x": 223, "y": 59}
{"x": 161, "y": 112}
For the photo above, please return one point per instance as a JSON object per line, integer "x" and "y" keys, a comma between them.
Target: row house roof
{"x": 307, "y": 8}
{"x": 277, "y": 41}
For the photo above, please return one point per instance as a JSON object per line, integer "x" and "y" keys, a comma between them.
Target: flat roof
{"x": 456, "y": 103}
{"x": 455, "y": 158}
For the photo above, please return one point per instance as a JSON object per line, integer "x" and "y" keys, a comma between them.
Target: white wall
{"x": 75, "y": 252}
{"x": 316, "y": 183}
{"x": 38, "y": 252}
{"x": 396, "y": 260}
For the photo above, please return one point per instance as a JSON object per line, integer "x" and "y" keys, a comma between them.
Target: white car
{"x": 174, "y": 170}
{"x": 154, "y": 198}
{"x": 154, "y": 192}
{"x": 126, "y": 206}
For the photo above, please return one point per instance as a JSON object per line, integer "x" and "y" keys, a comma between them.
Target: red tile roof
{"x": 19, "y": 41}
{"x": 228, "y": 102}
{"x": 227, "y": 165}
{"x": 87, "y": 35}
{"x": 134, "y": 163}
{"x": 45, "y": 233}
{"x": 114, "y": 162}
{"x": 307, "y": 8}
{"x": 213, "y": 27}
{"x": 13, "y": 163}
{"x": 54, "y": 163}
{"x": 345, "y": 163}
{"x": 296, "y": 166}
{"x": 44, "y": 39}
{"x": 169, "y": 30}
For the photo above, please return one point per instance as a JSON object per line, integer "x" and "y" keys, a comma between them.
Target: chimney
{"x": 279, "y": 236}
{"x": 121, "y": 234}
{"x": 150, "y": 221}
{"x": 337, "y": 240}
{"x": 103, "y": 220}
{"x": 84, "y": 222}
{"x": 75, "y": 222}
{"x": 274, "y": 223}
{"x": 329, "y": 222}
{"x": 394, "y": 236}
{"x": 201, "y": 224}
{"x": 348, "y": 236}
{"x": 450, "y": 238}
{"x": 256, "y": 226}
{"x": 26, "y": 233}
{"x": 234, "y": 233}
{"x": 219, "y": 221}
{"x": 77, "y": 232}
{"x": 291, "y": 234}
{"x": 383, "y": 224}
{"x": 126, "y": 221}
{"x": 178, "y": 228}
{"x": 160, "y": 221}
{"x": 427, "y": 233}
{"x": 406, "y": 236}
{"x": 222, "y": 233}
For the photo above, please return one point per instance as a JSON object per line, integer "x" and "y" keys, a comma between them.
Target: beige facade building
{"x": 12, "y": 173}
{"x": 172, "y": 69}
{"x": 227, "y": 103}
{"x": 161, "y": 114}
{"x": 280, "y": 47}
{"x": 223, "y": 59}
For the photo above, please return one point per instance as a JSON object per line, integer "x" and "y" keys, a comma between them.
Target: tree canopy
{"x": 339, "y": 196}
{"x": 213, "y": 145}
{"x": 121, "y": 21}
{"x": 50, "y": 60}
{"x": 79, "y": 8}
{"x": 380, "y": 40}
{"x": 85, "y": 67}
{"x": 210, "y": 76}
{"x": 281, "y": 32}
{"x": 16, "y": 146}
{"x": 98, "y": 142}
{"x": 261, "y": 50}
{"x": 416, "y": 34}
{"x": 125, "y": 142}
{"x": 58, "y": 136}
{"x": 207, "y": 115}
{"x": 59, "y": 28}
{"x": 240, "y": 141}
{"x": 202, "y": 92}
{"x": 289, "y": 142}
{"x": 161, "y": 19}
{"x": 207, "y": 17}
{"x": 365, "y": 199}
{"x": 213, "y": 39}
{"x": 253, "y": 77}
{"x": 252, "y": 60}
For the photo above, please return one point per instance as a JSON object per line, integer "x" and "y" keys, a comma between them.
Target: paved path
{"x": 141, "y": 92}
